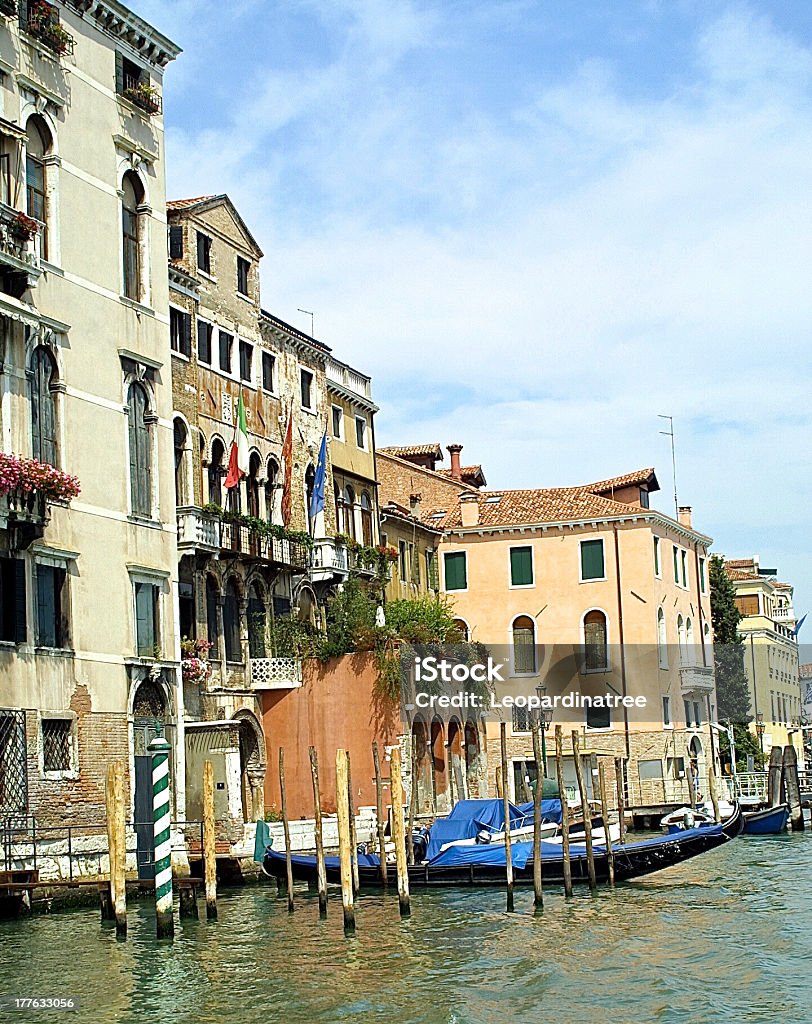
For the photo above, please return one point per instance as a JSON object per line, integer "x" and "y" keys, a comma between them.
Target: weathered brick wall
{"x": 400, "y": 478}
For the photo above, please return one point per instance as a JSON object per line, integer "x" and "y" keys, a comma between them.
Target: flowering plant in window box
{"x": 29, "y": 477}
{"x": 24, "y": 227}
{"x": 194, "y": 663}
{"x": 43, "y": 22}
{"x": 145, "y": 96}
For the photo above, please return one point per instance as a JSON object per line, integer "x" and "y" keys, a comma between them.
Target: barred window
{"x": 524, "y": 646}
{"x": 56, "y": 744}
{"x": 521, "y": 719}
{"x": 596, "y": 654}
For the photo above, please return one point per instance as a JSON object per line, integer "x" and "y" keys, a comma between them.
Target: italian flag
{"x": 238, "y": 457}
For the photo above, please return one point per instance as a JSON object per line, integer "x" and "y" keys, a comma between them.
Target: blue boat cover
{"x": 469, "y": 817}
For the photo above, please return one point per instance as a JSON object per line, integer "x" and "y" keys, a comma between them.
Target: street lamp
{"x": 545, "y": 721}
{"x": 728, "y": 731}
{"x": 760, "y": 732}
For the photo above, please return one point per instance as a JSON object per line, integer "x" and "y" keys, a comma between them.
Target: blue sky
{"x": 537, "y": 225}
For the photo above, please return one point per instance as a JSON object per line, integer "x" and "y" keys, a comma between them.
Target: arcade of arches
{"x": 449, "y": 763}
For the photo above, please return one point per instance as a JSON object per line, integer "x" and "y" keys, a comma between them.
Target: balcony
{"x": 276, "y": 673}
{"x": 20, "y": 245}
{"x": 330, "y": 558}
{"x": 8, "y": 8}
{"x": 197, "y": 531}
{"x": 784, "y": 614}
{"x": 43, "y": 24}
{"x": 206, "y": 533}
{"x": 347, "y": 378}
{"x": 25, "y": 515}
{"x": 138, "y": 91}
{"x": 696, "y": 679}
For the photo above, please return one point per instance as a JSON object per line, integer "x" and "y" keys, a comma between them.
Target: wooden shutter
{"x": 186, "y": 334}
{"x": 119, "y": 73}
{"x": 144, "y": 619}
{"x": 592, "y": 567}
{"x": 521, "y": 566}
{"x": 43, "y": 412}
{"x": 175, "y": 241}
{"x": 455, "y": 571}
{"x": 140, "y": 455}
{"x": 20, "y": 627}
{"x": 46, "y": 612}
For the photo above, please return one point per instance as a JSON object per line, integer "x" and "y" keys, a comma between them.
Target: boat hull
{"x": 630, "y": 861}
{"x": 770, "y": 821}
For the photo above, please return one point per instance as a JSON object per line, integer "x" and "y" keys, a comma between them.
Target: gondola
{"x": 485, "y": 865}
{"x": 769, "y": 821}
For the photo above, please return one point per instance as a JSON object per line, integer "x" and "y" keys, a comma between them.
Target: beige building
{"x": 88, "y": 654}
{"x": 770, "y": 654}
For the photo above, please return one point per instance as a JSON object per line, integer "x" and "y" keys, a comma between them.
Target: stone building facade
{"x": 88, "y": 653}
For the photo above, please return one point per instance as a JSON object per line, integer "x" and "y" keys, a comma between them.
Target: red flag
{"x": 287, "y": 456}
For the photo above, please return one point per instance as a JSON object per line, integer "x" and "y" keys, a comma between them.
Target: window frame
{"x": 597, "y": 728}
{"x": 668, "y": 713}
{"x": 340, "y": 410}
{"x": 227, "y": 338}
{"x": 149, "y": 419}
{"x": 521, "y": 586}
{"x": 606, "y": 668}
{"x": 245, "y": 348}
{"x": 209, "y": 328}
{"x": 304, "y": 370}
{"x": 176, "y": 313}
{"x": 268, "y": 358}
{"x": 455, "y": 554}
{"x": 514, "y": 672}
{"x": 361, "y": 421}
{"x": 658, "y": 563}
{"x": 243, "y": 268}
{"x": 156, "y": 585}
{"x": 202, "y": 237}
{"x": 61, "y": 604}
{"x": 72, "y": 769}
{"x": 591, "y": 579}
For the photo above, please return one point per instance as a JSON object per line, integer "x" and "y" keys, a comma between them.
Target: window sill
{"x": 521, "y": 586}
{"x": 244, "y": 297}
{"x": 68, "y": 775}
{"x": 597, "y": 728}
{"x": 139, "y": 307}
{"x": 205, "y": 274}
{"x": 54, "y": 652}
{"x": 310, "y": 411}
{"x": 596, "y": 579}
{"x": 597, "y": 671}
{"x": 151, "y": 524}
{"x": 180, "y": 355}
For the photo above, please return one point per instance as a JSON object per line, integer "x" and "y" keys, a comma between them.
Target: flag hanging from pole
{"x": 238, "y": 456}
{"x": 317, "y": 497}
{"x": 287, "y": 456}
{"x": 799, "y": 624}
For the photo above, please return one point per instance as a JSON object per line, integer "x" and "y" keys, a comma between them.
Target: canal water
{"x": 725, "y": 937}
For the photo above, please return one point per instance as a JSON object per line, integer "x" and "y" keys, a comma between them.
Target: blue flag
{"x": 317, "y": 497}
{"x": 799, "y": 624}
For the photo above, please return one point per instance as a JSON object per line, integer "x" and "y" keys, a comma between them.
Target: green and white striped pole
{"x": 162, "y": 847}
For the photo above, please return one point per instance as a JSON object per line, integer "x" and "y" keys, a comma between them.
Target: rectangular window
{"x": 226, "y": 345}
{"x": 656, "y": 556}
{"x": 684, "y": 563}
{"x": 403, "y": 561}
{"x": 702, "y": 575}
{"x": 598, "y": 718}
{"x": 431, "y": 570}
{"x": 338, "y": 422}
{"x": 129, "y": 229}
{"x": 361, "y": 432}
{"x": 180, "y": 331}
{"x": 650, "y": 770}
{"x": 246, "y": 360}
{"x": 521, "y": 720}
{"x": 675, "y": 767}
{"x": 56, "y": 744}
{"x": 521, "y": 567}
{"x": 51, "y": 625}
{"x": 688, "y": 713}
{"x": 667, "y": 712}
{"x": 147, "y": 619}
{"x": 747, "y": 604}
{"x": 12, "y": 601}
{"x": 243, "y": 267}
{"x": 5, "y": 178}
{"x": 697, "y": 713}
{"x": 268, "y": 367}
{"x": 204, "y": 331}
{"x": 592, "y": 563}
{"x": 175, "y": 242}
{"x": 456, "y": 570}
{"x": 203, "y": 252}
{"x": 644, "y": 498}
{"x": 306, "y": 386}
{"x": 676, "y": 563}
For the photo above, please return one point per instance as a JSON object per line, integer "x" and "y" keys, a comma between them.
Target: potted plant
{"x": 24, "y": 227}
{"x": 194, "y": 664}
{"x": 43, "y": 22}
{"x": 144, "y": 95}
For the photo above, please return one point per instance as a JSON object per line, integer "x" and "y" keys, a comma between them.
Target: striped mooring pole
{"x": 162, "y": 847}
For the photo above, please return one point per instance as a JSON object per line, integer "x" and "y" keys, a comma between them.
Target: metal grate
{"x": 13, "y": 774}
{"x": 56, "y": 737}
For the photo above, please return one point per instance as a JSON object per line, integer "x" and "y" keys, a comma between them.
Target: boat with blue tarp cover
{"x": 484, "y": 863}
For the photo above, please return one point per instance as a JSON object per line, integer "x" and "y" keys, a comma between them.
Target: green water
{"x": 725, "y": 937}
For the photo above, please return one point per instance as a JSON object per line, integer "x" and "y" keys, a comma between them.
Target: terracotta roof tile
{"x": 404, "y": 451}
{"x": 639, "y": 476}
{"x": 540, "y": 505}
{"x": 464, "y": 470}
{"x": 184, "y": 204}
{"x": 805, "y": 671}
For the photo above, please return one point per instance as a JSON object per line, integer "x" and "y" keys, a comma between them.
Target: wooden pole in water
{"x": 506, "y": 811}
{"x": 209, "y": 841}
{"x": 538, "y": 895}
{"x": 585, "y": 808}
{"x": 112, "y": 844}
{"x": 610, "y": 855}
{"x": 396, "y": 791}
{"x": 320, "y": 869}
{"x": 714, "y": 795}
{"x": 379, "y": 811}
{"x": 565, "y": 814}
{"x": 286, "y": 827}
{"x": 412, "y": 806}
{"x": 160, "y": 750}
{"x": 117, "y": 847}
{"x": 692, "y": 782}
{"x": 344, "y": 839}
{"x": 621, "y": 800}
{"x": 499, "y": 786}
{"x": 356, "y": 883}
{"x": 792, "y": 788}
{"x": 774, "y": 776}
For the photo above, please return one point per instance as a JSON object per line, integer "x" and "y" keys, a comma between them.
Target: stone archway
{"x": 475, "y": 765}
{"x": 439, "y": 766}
{"x": 422, "y": 769}
{"x": 149, "y": 719}
{"x": 252, "y": 766}
{"x": 696, "y": 752}
{"x": 456, "y": 776}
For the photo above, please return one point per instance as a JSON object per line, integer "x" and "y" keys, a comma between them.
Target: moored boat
{"x": 769, "y": 821}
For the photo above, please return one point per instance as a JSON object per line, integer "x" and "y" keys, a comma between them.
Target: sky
{"x": 538, "y": 226}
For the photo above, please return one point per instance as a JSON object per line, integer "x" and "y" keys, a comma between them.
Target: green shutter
{"x": 20, "y": 625}
{"x": 521, "y": 567}
{"x": 657, "y": 556}
{"x": 144, "y": 620}
{"x": 455, "y": 571}
{"x": 676, "y": 564}
{"x": 592, "y": 566}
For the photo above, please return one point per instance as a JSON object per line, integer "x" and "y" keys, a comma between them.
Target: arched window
{"x": 366, "y": 519}
{"x": 212, "y": 618}
{"x": 272, "y": 493}
{"x": 681, "y": 638}
{"x": 38, "y": 146}
{"x": 132, "y": 196}
{"x": 341, "y": 526}
{"x": 252, "y": 485}
{"x": 524, "y": 646}
{"x": 231, "y": 622}
{"x": 140, "y": 451}
{"x": 349, "y": 511}
{"x": 662, "y": 645}
{"x": 462, "y": 626}
{"x": 310, "y": 483}
{"x": 256, "y": 622}
{"x": 596, "y": 654}
{"x": 216, "y": 470}
{"x": 689, "y": 641}
{"x": 181, "y": 443}
{"x": 43, "y": 408}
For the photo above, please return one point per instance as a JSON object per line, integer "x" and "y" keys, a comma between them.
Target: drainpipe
{"x": 622, "y": 647}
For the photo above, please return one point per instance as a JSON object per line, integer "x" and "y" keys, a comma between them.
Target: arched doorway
{"x": 252, "y": 767}
{"x": 149, "y": 720}
{"x": 422, "y": 767}
{"x": 456, "y": 778}
{"x": 696, "y": 753}
{"x": 473, "y": 761}
{"x": 439, "y": 772}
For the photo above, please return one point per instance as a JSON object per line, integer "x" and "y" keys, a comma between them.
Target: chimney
{"x": 414, "y": 504}
{"x": 686, "y": 516}
{"x": 454, "y": 451}
{"x": 469, "y": 509}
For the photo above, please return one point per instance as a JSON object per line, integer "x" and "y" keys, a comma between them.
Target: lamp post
{"x": 545, "y": 720}
{"x": 760, "y": 733}
{"x": 728, "y": 730}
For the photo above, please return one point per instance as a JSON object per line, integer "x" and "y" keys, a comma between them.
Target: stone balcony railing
{"x": 696, "y": 678}
{"x": 330, "y": 558}
{"x": 20, "y": 245}
{"x": 25, "y": 515}
{"x": 200, "y": 531}
{"x": 197, "y": 531}
{"x": 276, "y": 673}
{"x": 786, "y": 614}
{"x": 348, "y": 378}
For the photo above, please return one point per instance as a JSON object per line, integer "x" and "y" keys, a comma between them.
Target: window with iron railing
{"x": 133, "y": 83}
{"x": 41, "y": 20}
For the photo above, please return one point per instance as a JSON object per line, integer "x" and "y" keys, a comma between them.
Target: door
{"x": 143, "y": 816}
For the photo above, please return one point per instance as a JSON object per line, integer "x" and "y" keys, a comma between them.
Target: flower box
{"x": 20, "y": 477}
{"x": 43, "y": 24}
{"x": 24, "y": 227}
{"x": 144, "y": 96}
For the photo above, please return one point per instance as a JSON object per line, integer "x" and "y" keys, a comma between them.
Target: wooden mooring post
{"x": 345, "y": 840}
{"x": 398, "y": 829}
{"x": 506, "y": 812}
{"x": 775, "y": 777}
{"x": 585, "y": 809}
{"x": 381, "y": 826}
{"x": 610, "y": 855}
{"x": 792, "y": 788}
{"x": 538, "y": 894}
{"x": 321, "y": 873}
{"x": 356, "y": 882}
{"x": 412, "y": 805}
{"x": 209, "y": 842}
{"x": 714, "y": 794}
{"x": 117, "y": 846}
{"x": 187, "y": 899}
{"x": 565, "y": 814}
{"x": 286, "y": 828}
{"x": 160, "y": 750}
{"x": 621, "y": 799}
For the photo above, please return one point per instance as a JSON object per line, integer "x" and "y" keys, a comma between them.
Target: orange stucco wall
{"x": 336, "y": 706}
